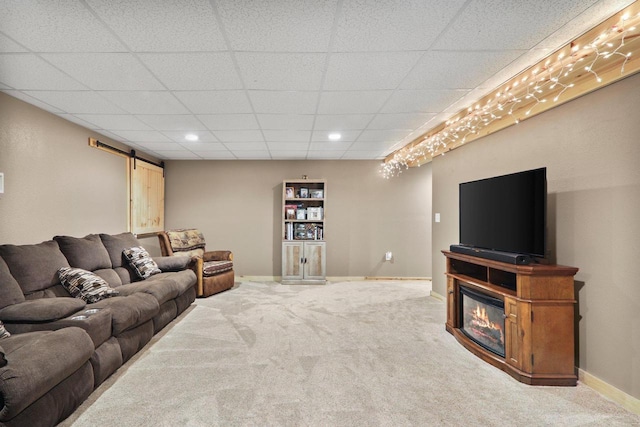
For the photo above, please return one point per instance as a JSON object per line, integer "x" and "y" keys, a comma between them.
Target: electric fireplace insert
{"x": 482, "y": 319}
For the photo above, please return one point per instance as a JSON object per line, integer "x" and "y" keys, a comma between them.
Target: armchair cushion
{"x": 184, "y": 240}
{"x": 41, "y": 310}
{"x": 140, "y": 260}
{"x": 211, "y": 268}
{"x": 85, "y": 285}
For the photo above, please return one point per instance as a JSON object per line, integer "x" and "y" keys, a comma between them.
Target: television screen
{"x": 505, "y": 213}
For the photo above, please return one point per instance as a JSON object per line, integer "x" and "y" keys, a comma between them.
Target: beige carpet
{"x": 346, "y": 354}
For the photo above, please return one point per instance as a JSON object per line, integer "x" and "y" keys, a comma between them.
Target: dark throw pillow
{"x": 85, "y": 285}
{"x": 3, "y": 331}
{"x": 141, "y": 262}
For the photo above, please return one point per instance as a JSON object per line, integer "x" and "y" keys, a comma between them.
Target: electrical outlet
{"x": 388, "y": 256}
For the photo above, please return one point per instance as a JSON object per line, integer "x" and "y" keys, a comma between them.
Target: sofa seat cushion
{"x": 163, "y": 286}
{"x": 37, "y": 362}
{"x": 211, "y": 268}
{"x": 85, "y": 285}
{"x": 41, "y": 310}
{"x": 128, "y": 312}
{"x": 35, "y": 267}
{"x": 87, "y": 252}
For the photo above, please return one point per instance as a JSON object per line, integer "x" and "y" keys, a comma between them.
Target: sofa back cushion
{"x": 35, "y": 267}
{"x": 87, "y": 253}
{"x": 10, "y": 292}
{"x": 115, "y": 244}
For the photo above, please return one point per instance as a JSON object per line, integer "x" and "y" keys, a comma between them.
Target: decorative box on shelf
{"x": 314, "y": 213}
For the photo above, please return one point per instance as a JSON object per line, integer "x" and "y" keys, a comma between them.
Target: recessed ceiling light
{"x": 334, "y": 136}
{"x": 191, "y": 137}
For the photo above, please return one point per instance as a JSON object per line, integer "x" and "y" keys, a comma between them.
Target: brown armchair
{"x": 214, "y": 269}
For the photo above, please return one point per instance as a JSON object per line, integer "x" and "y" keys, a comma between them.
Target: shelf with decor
{"x": 303, "y": 227}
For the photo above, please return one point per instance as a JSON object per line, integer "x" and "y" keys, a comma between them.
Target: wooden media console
{"x": 536, "y": 332}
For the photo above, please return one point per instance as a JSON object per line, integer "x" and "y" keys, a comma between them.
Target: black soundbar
{"x": 507, "y": 257}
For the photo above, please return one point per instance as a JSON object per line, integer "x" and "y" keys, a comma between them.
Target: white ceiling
{"x": 271, "y": 79}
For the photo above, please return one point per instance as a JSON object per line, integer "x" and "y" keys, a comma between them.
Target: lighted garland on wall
{"x": 548, "y": 82}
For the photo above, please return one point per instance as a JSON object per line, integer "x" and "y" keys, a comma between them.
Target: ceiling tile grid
{"x": 259, "y": 79}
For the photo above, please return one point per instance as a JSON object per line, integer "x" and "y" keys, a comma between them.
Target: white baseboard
{"x": 627, "y": 401}
{"x": 258, "y": 278}
{"x": 438, "y": 296}
{"x": 329, "y": 279}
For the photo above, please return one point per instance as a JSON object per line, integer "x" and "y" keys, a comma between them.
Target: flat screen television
{"x": 505, "y": 213}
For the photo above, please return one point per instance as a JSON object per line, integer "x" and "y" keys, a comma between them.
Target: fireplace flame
{"x": 481, "y": 320}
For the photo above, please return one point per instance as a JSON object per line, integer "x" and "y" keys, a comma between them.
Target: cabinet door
{"x": 315, "y": 254}
{"x": 512, "y": 347}
{"x": 292, "y": 257}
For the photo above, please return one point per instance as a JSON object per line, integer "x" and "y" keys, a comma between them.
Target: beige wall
{"x": 591, "y": 148}
{"x": 54, "y": 182}
{"x": 237, "y": 206}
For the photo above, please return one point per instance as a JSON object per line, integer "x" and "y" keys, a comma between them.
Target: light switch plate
{"x": 1, "y": 182}
{"x": 437, "y": 219}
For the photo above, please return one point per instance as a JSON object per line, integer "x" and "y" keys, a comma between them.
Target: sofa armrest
{"x": 218, "y": 256}
{"x": 172, "y": 263}
{"x": 41, "y": 310}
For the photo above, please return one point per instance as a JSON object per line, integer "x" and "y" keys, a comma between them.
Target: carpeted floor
{"x": 369, "y": 353}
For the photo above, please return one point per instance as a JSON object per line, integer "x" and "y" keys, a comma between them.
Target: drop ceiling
{"x": 272, "y": 79}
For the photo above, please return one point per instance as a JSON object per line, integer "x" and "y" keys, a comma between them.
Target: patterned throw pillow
{"x": 140, "y": 260}
{"x": 3, "y": 331}
{"x": 85, "y": 285}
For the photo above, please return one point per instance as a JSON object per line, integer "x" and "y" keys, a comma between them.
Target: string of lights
{"x": 548, "y": 82}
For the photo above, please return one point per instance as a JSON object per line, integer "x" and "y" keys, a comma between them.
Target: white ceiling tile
{"x": 56, "y": 26}
{"x": 202, "y": 147}
{"x": 28, "y": 72}
{"x": 337, "y": 122}
{"x": 288, "y": 154}
{"x": 145, "y": 102}
{"x": 76, "y": 101}
{"x": 229, "y": 121}
{"x": 193, "y": 71}
{"x": 161, "y": 146}
{"x": 345, "y": 135}
{"x": 286, "y": 121}
{"x": 368, "y": 70}
{"x": 171, "y": 154}
{"x": 105, "y": 71}
{"x": 281, "y": 71}
{"x": 114, "y": 121}
{"x": 382, "y": 135}
{"x": 330, "y": 146}
{"x": 352, "y": 102}
{"x": 286, "y": 145}
{"x": 287, "y": 135}
{"x": 442, "y": 70}
{"x": 246, "y": 146}
{"x": 400, "y": 120}
{"x": 278, "y": 26}
{"x": 180, "y": 136}
{"x": 325, "y": 155}
{"x": 216, "y": 155}
{"x": 140, "y": 136}
{"x": 215, "y": 102}
{"x": 33, "y": 101}
{"x": 370, "y": 146}
{"x": 284, "y": 102}
{"x": 113, "y": 136}
{"x": 238, "y": 135}
{"x": 3, "y": 86}
{"x": 162, "y": 26}
{"x": 8, "y": 45}
{"x": 78, "y": 121}
{"x": 253, "y": 155}
{"x": 507, "y": 24}
{"x": 172, "y": 121}
{"x": 417, "y": 101}
{"x": 392, "y": 25}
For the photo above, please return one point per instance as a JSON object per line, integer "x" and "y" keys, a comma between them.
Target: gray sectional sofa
{"x": 61, "y": 348}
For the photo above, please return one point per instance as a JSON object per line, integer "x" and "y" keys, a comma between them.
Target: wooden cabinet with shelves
{"x": 303, "y": 228}
{"x": 538, "y": 316}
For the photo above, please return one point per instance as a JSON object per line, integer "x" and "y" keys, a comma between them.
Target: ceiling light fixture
{"x": 191, "y": 137}
{"x": 334, "y": 136}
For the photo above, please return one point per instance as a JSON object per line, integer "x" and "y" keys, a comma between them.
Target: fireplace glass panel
{"x": 482, "y": 319}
